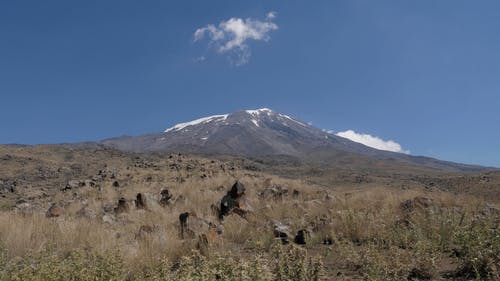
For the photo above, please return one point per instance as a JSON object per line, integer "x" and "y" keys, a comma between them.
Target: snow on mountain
{"x": 265, "y": 133}
{"x": 181, "y": 126}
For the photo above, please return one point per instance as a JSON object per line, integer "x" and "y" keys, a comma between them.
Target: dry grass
{"x": 373, "y": 237}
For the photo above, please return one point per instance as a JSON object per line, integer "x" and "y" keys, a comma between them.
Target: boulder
{"x": 301, "y": 236}
{"x": 54, "y": 211}
{"x": 165, "y": 197}
{"x": 234, "y": 201}
{"x": 192, "y": 226}
{"x": 281, "y": 232}
{"x": 140, "y": 201}
{"x": 122, "y": 206}
{"x": 146, "y": 201}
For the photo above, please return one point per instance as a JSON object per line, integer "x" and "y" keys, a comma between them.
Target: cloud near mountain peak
{"x": 372, "y": 141}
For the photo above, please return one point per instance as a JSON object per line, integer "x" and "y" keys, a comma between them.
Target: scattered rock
{"x": 146, "y": 201}
{"x": 183, "y": 218}
{"x": 300, "y": 238}
{"x": 281, "y": 232}
{"x": 122, "y": 206}
{"x": 140, "y": 201}
{"x": 234, "y": 201}
{"x": 165, "y": 197}
{"x": 54, "y": 211}
{"x": 116, "y": 184}
{"x": 74, "y": 184}
{"x": 192, "y": 226}
{"x": 8, "y": 186}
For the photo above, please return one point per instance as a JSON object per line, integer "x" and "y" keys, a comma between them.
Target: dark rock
{"x": 192, "y": 226}
{"x": 122, "y": 206}
{"x": 116, "y": 184}
{"x": 140, "y": 201}
{"x": 165, "y": 197}
{"x": 183, "y": 218}
{"x": 281, "y": 232}
{"x": 328, "y": 241}
{"x": 300, "y": 238}
{"x": 234, "y": 201}
{"x": 237, "y": 190}
{"x": 90, "y": 183}
{"x": 73, "y": 184}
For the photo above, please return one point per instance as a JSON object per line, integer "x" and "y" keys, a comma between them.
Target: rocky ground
{"x": 240, "y": 216}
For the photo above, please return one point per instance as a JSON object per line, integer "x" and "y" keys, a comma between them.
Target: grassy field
{"x": 369, "y": 230}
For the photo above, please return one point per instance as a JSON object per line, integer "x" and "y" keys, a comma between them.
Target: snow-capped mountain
{"x": 264, "y": 133}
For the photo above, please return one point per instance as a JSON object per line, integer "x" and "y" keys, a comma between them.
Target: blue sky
{"x": 422, "y": 73}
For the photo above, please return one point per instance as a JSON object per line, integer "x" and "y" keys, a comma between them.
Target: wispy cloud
{"x": 231, "y": 37}
{"x": 372, "y": 141}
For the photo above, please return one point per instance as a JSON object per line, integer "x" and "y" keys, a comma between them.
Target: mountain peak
{"x": 256, "y": 116}
{"x": 266, "y": 133}
{"x": 199, "y": 121}
{"x": 259, "y": 111}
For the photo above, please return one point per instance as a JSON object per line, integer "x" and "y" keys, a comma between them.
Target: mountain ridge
{"x": 266, "y": 133}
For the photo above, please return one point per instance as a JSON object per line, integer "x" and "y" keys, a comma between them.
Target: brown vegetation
{"x": 345, "y": 233}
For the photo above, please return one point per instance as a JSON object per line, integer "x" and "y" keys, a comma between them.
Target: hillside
{"x": 139, "y": 216}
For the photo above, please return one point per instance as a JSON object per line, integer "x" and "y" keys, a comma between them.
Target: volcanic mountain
{"x": 266, "y": 133}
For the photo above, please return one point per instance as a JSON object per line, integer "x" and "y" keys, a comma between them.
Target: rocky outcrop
{"x": 234, "y": 201}
{"x": 192, "y": 226}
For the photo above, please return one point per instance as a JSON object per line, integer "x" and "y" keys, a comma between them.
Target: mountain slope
{"x": 264, "y": 133}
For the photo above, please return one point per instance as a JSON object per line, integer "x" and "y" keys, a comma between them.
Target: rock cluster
{"x": 234, "y": 201}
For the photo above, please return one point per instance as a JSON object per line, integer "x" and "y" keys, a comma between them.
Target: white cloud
{"x": 231, "y": 37}
{"x": 372, "y": 141}
{"x": 271, "y": 15}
